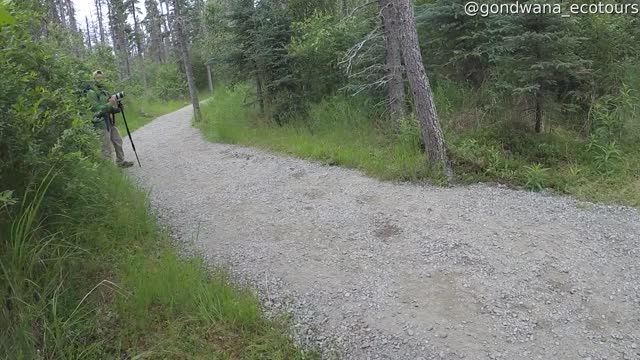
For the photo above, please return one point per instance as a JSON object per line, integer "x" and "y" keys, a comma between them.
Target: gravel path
{"x": 373, "y": 269}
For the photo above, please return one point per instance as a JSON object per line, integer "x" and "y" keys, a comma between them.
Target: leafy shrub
{"x": 606, "y": 158}
{"x": 536, "y": 177}
{"x": 166, "y": 82}
{"x": 317, "y": 47}
{"x": 44, "y": 120}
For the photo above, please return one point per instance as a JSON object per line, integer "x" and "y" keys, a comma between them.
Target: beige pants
{"x": 111, "y": 140}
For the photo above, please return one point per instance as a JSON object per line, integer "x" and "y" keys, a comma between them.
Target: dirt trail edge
{"x": 402, "y": 271}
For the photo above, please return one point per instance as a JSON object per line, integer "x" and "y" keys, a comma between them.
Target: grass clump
{"x": 140, "y": 111}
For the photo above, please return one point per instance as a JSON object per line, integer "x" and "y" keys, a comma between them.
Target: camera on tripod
{"x": 119, "y": 95}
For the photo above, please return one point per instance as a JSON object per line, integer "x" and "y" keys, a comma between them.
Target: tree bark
{"x": 86, "y": 20}
{"x": 99, "y": 15}
{"x": 118, "y": 18}
{"x": 538, "y": 101}
{"x": 72, "y": 16}
{"x": 111, "y": 26}
{"x": 393, "y": 61}
{"x": 182, "y": 43}
{"x": 259, "y": 94}
{"x": 53, "y": 11}
{"x": 61, "y": 11}
{"x": 154, "y": 24}
{"x": 136, "y": 30}
{"x": 209, "y": 79}
{"x": 422, "y": 95}
{"x": 168, "y": 27}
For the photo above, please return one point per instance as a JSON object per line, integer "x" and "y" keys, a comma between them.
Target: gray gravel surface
{"x": 372, "y": 269}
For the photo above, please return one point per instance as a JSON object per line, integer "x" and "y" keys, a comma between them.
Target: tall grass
{"x": 91, "y": 276}
{"x": 335, "y": 132}
{"x": 140, "y": 111}
{"x": 488, "y": 143}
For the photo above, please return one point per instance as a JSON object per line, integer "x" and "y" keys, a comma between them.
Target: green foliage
{"x": 44, "y": 120}
{"x": 606, "y": 158}
{"x": 303, "y": 9}
{"x": 5, "y": 17}
{"x": 292, "y": 56}
{"x": 165, "y": 82}
{"x": 457, "y": 44}
{"x": 317, "y": 46}
{"x": 536, "y": 177}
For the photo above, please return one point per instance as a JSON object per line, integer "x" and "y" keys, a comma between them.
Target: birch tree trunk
{"x": 61, "y": 11}
{"x": 53, "y": 11}
{"x": 72, "y": 16}
{"x": 99, "y": 15}
{"x": 188, "y": 67}
{"x": 425, "y": 107}
{"x": 86, "y": 20}
{"x": 393, "y": 61}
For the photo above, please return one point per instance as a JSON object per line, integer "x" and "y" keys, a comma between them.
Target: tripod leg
{"x": 133, "y": 146}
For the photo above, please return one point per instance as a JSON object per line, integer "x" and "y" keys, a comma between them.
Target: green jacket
{"x": 98, "y": 98}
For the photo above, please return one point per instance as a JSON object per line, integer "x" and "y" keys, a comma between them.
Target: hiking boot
{"x": 125, "y": 164}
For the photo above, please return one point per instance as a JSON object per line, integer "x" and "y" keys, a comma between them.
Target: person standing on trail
{"x": 104, "y": 106}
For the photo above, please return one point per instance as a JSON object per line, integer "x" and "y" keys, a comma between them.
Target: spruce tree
{"x": 536, "y": 53}
{"x": 458, "y": 43}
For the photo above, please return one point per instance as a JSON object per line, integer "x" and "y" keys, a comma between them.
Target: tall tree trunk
{"x": 154, "y": 23}
{"x": 210, "y": 81}
{"x": 53, "y": 11}
{"x": 175, "y": 41}
{"x": 118, "y": 22}
{"x": 259, "y": 94}
{"x": 86, "y": 20}
{"x": 61, "y": 11}
{"x": 422, "y": 96}
{"x": 393, "y": 61}
{"x": 200, "y": 8}
{"x": 114, "y": 43}
{"x": 168, "y": 32}
{"x": 95, "y": 31}
{"x": 538, "y": 101}
{"x": 136, "y": 28}
{"x": 184, "y": 46}
{"x": 72, "y": 16}
{"x": 99, "y": 15}
{"x": 137, "y": 38}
